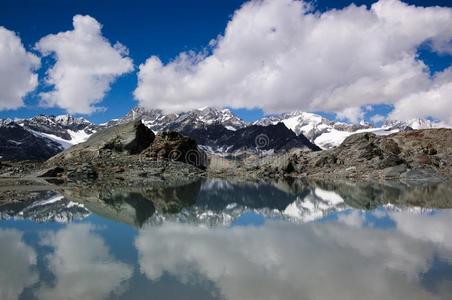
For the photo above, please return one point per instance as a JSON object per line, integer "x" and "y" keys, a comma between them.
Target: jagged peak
{"x": 6, "y": 122}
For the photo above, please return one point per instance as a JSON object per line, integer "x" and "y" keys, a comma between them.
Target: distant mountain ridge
{"x": 156, "y": 120}
{"x": 215, "y": 130}
{"x": 205, "y": 124}
{"x": 18, "y": 143}
{"x": 41, "y": 137}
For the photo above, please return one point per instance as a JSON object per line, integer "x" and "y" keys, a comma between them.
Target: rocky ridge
{"x": 422, "y": 155}
{"x": 120, "y": 153}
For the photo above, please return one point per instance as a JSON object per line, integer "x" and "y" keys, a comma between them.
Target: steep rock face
{"x": 17, "y": 143}
{"x": 174, "y": 146}
{"x": 207, "y": 135}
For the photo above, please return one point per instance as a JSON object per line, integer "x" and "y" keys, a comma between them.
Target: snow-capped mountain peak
{"x": 157, "y": 120}
{"x": 309, "y": 124}
{"x": 211, "y": 115}
{"x": 66, "y": 130}
{"x": 70, "y": 120}
{"x": 415, "y": 123}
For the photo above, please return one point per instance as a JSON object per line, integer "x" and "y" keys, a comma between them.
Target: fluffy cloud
{"x": 86, "y": 66}
{"x": 288, "y": 261}
{"x": 281, "y": 55}
{"x": 435, "y": 101}
{"x": 17, "y": 263}
{"x": 82, "y": 265}
{"x": 17, "y": 78}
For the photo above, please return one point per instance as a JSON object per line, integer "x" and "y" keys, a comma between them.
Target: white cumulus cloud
{"x": 435, "y": 101}
{"x": 17, "y": 264}
{"x": 86, "y": 65}
{"x": 281, "y": 55}
{"x": 17, "y": 77}
{"x": 82, "y": 265}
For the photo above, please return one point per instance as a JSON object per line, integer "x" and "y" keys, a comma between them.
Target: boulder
{"x": 129, "y": 139}
{"x": 394, "y": 172}
{"x": 173, "y": 146}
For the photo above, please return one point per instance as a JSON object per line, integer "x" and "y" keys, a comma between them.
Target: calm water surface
{"x": 218, "y": 239}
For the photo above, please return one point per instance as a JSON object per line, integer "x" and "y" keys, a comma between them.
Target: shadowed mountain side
{"x": 17, "y": 143}
{"x": 254, "y": 137}
{"x": 216, "y": 195}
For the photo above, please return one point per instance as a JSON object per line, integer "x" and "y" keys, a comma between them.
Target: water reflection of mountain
{"x": 221, "y": 202}
{"x": 43, "y": 206}
{"x": 217, "y": 194}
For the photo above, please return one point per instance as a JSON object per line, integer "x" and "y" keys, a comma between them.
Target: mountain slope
{"x": 319, "y": 130}
{"x": 66, "y": 130}
{"x": 18, "y": 143}
{"x": 217, "y": 138}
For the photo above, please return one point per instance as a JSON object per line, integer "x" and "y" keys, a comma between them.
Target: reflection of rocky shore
{"x": 370, "y": 195}
{"x": 134, "y": 206}
{"x": 220, "y": 202}
{"x": 130, "y": 205}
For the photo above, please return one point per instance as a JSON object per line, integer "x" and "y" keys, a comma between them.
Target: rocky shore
{"x": 417, "y": 155}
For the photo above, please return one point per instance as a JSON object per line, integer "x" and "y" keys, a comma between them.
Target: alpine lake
{"x": 227, "y": 239}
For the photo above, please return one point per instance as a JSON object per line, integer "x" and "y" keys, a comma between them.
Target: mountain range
{"x": 215, "y": 130}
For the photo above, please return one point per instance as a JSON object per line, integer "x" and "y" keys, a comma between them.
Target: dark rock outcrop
{"x": 174, "y": 146}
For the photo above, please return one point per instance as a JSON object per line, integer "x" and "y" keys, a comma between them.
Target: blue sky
{"x": 161, "y": 28}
